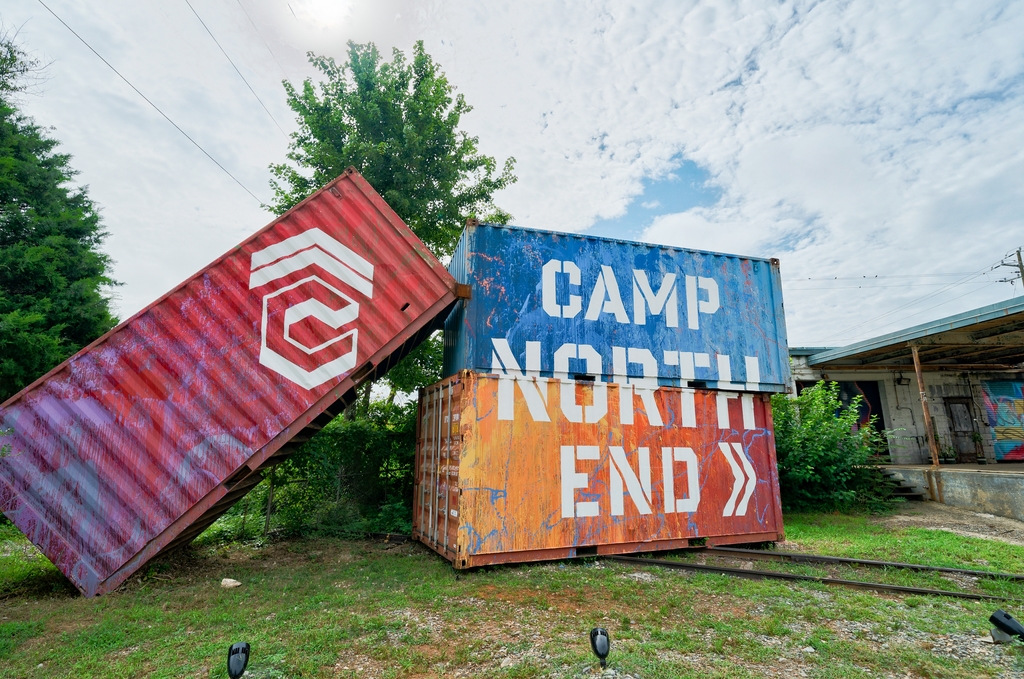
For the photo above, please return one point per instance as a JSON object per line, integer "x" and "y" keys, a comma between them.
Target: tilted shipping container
{"x": 558, "y": 305}
{"x": 142, "y": 439}
{"x": 522, "y": 469}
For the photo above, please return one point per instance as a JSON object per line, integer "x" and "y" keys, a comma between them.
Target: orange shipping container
{"x": 523, "y": 469}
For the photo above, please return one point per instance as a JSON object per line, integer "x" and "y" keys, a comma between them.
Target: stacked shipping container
{"x": 603, "y": 396}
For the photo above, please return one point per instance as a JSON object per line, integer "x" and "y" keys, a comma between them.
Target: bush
{"x": 824, "y": 457}
{"x": 354, "y": 477}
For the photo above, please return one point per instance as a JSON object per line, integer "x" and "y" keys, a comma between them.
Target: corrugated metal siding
{"x": 147, "y": 435}
{"x": 703, "y": 317}
{"x": 500, "y": 479}
{"x": 453, "y": 324}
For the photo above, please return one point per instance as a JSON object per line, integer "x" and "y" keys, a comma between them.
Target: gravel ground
{"x": 956, "y": 520}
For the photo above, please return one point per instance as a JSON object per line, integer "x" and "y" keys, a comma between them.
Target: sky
{"x": 875, "y": 149}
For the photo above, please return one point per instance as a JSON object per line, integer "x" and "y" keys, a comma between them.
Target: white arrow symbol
{"x": 739, "y": 477}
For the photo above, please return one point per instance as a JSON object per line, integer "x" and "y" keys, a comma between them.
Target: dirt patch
{"x": 959, "y": 521}
{"x": 195, "y": 563}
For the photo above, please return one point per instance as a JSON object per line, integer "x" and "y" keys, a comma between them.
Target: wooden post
{"x": 933, "y": 445}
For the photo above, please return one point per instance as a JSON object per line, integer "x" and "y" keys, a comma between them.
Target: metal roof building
{"x": 968, "y": 369}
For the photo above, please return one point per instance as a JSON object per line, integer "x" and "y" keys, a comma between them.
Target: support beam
{"x": 934, "y": 367}
{"x": 933, "y": 445}
{"x": 1001, "y": 328}
{"x": 1000, "y": 354}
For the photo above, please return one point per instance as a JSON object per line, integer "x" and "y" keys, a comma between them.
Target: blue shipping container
{"x": 562, "y": 305}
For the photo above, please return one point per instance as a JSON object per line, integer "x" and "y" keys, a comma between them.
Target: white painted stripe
{"x": 310, "y": 238}
{"x": 306, "y": 258}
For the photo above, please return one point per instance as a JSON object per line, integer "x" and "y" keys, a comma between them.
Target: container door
{"x": 436, "y": 506}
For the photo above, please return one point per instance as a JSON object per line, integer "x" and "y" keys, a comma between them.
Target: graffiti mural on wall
{"x": 1004, "y": 406}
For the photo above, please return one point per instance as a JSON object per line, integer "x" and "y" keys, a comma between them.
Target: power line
{"x": 880, "y": 287}
{"x": 155, "y": 107}
{"x": 980, "y": 272}
{"x": 235, "y": 67}
{"x": 253, "y": 23}
{"x": 936, "y": 306}
{"x": 879, "y": 277}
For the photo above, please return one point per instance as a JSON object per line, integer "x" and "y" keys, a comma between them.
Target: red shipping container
{"x": 523, "y": 469}
{"x": 142, "y": 439}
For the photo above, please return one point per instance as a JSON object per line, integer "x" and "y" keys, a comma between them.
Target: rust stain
{"x": 521, "y": 482}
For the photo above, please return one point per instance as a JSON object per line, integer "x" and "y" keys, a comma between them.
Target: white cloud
{"x": 845, "y": 138}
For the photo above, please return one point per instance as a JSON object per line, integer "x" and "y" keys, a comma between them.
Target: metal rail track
{"x": 775, "y": 575}
{"x": 736, "y": 552}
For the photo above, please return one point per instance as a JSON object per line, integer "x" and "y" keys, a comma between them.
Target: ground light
{"x": 238, "y": 658}
{"x": 1007, "y": 623}
{"x": 601, "y": 644}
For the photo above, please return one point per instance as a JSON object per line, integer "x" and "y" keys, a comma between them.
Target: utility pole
{"x": 1019, "y": 266}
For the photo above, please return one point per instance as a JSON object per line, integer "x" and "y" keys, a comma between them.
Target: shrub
{"x": 346, "y": 475}
{"x": 823, "y": 455}
{"x": 354, "y": 477}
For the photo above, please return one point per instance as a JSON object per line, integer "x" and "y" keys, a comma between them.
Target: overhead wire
{"x": 791, "y": 288}
{"x": 936, "y": 306}
{"x": 267, "y": 44}
{"x": 222, "y": 51}
{"x": 950, "y": 286}
{"x": 879, "y": 277}
{"x": 155, "y": 107}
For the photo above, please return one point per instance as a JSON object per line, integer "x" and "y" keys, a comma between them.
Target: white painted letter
{"x": 549, "y": 289}
{"x": 665, "y": 300}
{"x": 606, "y": 298}
{"x": 573, "y": 480}
{"x": 548, "y": 299}
{"x": 572, "y": 410}
{"x": 534, "y": 389}
{"x": 689, "y": 503}
{"x": 645, "y": 386}
{"x": 723, "y": 408}
{"x": 639, "y": 489}
{"x": 693, "y": 306}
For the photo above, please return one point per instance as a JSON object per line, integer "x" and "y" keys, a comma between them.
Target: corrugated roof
{"x": 991, "y": 336}
{"x": 808, "y": 351}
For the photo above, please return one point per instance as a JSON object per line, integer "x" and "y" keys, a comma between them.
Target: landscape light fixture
{"x": 601, "y": 644}
{"x": 1007, "y": 623}
{"x": 238, "y": 658}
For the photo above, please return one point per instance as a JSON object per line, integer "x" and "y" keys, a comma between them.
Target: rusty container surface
{"x": 142, "y": 439}
{"x": 559, "y": 305}
{"x": 522, "y": 470}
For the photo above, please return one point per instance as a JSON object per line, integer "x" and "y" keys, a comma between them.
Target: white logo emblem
{"x": 303, "y": 322}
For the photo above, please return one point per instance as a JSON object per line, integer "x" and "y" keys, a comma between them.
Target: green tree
{"x": 52, "y": 272}
{"x": 823, "y": 455}
{"x": 397, "y": 123}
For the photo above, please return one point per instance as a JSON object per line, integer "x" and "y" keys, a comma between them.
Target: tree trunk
{"x": 245, "y": 515}
{"x": 270, "y": 505}
{"x": 367, "y": 388}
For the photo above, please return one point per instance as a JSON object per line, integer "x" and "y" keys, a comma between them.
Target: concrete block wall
{"x": 991, "y": 492}
{"x": 901, "y": 405}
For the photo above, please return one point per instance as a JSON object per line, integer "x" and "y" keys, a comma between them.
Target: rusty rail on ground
{"x": 736, "y": 552}
{"x": 775, "y": 575}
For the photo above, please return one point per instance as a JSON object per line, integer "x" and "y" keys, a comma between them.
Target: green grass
{"x": 854, "y": 536}
{"x": 313, "y": 608}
